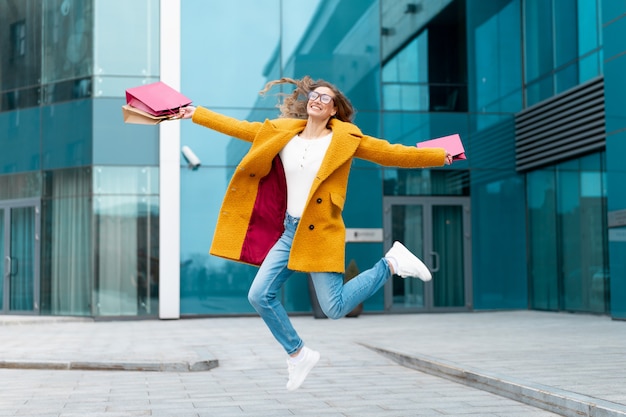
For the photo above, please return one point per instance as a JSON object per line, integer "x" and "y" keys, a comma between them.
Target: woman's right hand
{"x": 187, "y": 112}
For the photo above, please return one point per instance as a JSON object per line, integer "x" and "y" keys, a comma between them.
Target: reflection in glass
{"x": 67, "y": 40}
{"x": 418, "y": 77}
{"x": 558, "y": 36}
{"x": 497, "y": 78}
{"x": 567, "y": 236}
{"x": 542, "y": 240}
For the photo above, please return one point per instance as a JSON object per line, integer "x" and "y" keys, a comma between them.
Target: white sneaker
{"x": 299, "y": 371}
{"x": 409, "y": 265}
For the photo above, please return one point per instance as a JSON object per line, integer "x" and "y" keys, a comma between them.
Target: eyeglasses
{"x": 324, "y": 98}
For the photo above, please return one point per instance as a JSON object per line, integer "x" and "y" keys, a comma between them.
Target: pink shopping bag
{"x": 157, "y": 99}
{"x": 452, "y": 144}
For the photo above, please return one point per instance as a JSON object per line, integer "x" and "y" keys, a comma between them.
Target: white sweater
{"x": 302, "y": 159}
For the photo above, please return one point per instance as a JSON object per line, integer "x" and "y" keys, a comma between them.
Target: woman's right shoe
{"x": 409, "y": 265}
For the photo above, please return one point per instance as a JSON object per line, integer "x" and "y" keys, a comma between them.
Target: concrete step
{"x": 555, "y": 400}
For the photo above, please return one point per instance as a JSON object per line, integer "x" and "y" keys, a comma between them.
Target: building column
{"x": 169, "y": 168}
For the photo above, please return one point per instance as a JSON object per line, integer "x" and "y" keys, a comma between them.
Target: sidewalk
{"x": 550, "y": 362}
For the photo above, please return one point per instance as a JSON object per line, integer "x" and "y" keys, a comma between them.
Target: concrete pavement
{"x": 521, "y": 363}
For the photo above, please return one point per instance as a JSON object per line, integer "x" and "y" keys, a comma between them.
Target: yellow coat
{"x": 251, "y": 217}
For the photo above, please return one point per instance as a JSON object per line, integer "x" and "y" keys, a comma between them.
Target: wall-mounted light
{"x": 190, "y": 156}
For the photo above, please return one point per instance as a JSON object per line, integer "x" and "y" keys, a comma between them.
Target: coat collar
{"x": 345, "y": 141}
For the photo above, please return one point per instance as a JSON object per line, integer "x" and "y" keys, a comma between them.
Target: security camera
{"x": 192, "y": 159}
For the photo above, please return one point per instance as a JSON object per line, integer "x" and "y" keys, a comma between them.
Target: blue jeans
{"x": 336, "y": 298}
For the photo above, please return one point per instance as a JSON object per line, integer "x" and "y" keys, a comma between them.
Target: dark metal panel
{"x": 563, "y": 127}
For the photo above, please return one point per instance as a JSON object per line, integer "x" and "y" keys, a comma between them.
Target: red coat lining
{"x": 267, "y": 220}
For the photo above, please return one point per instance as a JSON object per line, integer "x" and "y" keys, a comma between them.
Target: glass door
{"x": 437, "y": 230}
{"x": 19, "y": 247}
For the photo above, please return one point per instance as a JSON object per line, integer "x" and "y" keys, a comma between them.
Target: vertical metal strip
{"x": 169, "y": 167}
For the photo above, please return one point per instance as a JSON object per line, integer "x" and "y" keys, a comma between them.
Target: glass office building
{"x": 106, "y": 219}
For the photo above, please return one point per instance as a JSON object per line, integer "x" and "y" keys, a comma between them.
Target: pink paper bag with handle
{"x": 452, "y": 144}
{"x": 158, "y": 99}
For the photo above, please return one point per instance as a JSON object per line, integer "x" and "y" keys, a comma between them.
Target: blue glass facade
{"x": 539, "y": 238}
{"x": 614, "y": 28}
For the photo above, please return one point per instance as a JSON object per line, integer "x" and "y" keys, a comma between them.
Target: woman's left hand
{"x": 448, "y": 160}
{"x": 186, "y": 112}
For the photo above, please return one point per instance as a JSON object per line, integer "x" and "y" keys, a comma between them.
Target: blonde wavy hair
{"x": 294, "y": 104}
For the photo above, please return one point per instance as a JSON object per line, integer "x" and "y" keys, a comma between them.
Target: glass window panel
{"x": 214, "y": 286}
{"x": 588, "y": 25}
{"x": 118, "y": 143}
{"x": 426, "y": 182}
{"x": 20, "y": 99}
{"x": 336, "y": 41}
{"x": 566, "y": 78}
{"x": 565, "y": 31}
{"x": 413, "y": 60}
{"x": 21, "y": 268}
{"x": 74, "y": 182}
{"x": 568, "y": 206}
{"x": 392, "y": 94}
{"x": 497, "y": 69}
{"x": 587, "y": 290}
{"x": 66, "y": 131}
{"x": 406, "y": 97}
{"x": 219, "y": 77}
{"x": 67, "y": 40}
{"x": 20, "y": 141}
{"x": 537, "y": 29}
{"x": 542, "y": 245}
{"x": 591, "y": 184}
{"x": 449, "y": 287}
{"x": 407, "y": 69}
{"x": 410, "y": 64}
{"x": 509, "y": 104}
{"x": 66, "y": 250}
{"x": 20, "y": 61}
{"x": 539, "y": 91}
{"x": 125, "y": 180}
{"x": 593, "y": 162}
{"x": 118, "y": 62}
{"x": 567, "y": 232}
{"x": 18, "y": 186}
{"x": 66, "y": 243}
{"x": 408, "y": 228}
{"x": 126, "y": 255}
{"x": 389, "y": 72}
{"x": 589, "y": 67}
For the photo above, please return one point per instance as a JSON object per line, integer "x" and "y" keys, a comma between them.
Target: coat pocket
{"x": 338, "y": 200}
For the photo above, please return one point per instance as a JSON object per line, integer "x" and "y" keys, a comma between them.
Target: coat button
{"x": 319, "y": 201}
{"x": 252, "y": 175}
{"x": 311, "y": 227}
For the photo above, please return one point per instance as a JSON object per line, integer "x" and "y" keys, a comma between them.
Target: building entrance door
{"x": 19, "y": 256}
{"x": 437, "y": 230}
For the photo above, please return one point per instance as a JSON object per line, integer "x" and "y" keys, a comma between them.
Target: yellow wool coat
{"x": 251, "y": 217}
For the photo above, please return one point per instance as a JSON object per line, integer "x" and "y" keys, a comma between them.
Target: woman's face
{"x": 321, "y": 103}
